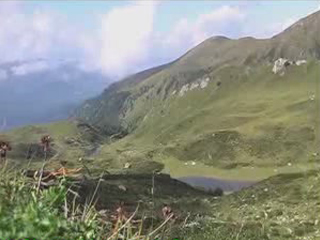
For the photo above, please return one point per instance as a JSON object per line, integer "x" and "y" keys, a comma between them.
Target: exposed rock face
{"x": 127, "y": 165}
{"x": 184, "y": 89}
{"x": 202, "y": 83}
{"x": 194, "y": 85}
{"x": 281, "y": 64}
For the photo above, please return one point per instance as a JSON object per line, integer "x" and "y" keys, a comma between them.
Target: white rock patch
{"x": 204, "y": 83}
{"x": 312, "y": 97}
{"x": 200, "y": 83}
{"x": 280, "y": 65}
{"x": 184, "y": 89}
{"x": 194, "y": 85}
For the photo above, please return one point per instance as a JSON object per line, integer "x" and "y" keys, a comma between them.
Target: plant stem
{"x": 41, "y": 171}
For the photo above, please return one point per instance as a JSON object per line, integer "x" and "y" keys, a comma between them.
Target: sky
{"x": 122, "y": 37}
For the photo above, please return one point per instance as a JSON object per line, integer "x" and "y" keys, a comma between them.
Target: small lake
{"x": 209, "y": 183}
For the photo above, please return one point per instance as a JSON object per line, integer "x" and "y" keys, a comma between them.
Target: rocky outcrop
{"x": 199, "y": 83}
{"x": 194, "y": 85}
{"x": 281, "y": 64}
{"x": 204, "y": 83}
{"x": 184, "y": 89}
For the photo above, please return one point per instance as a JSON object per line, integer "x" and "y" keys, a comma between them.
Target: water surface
{"x": 210, "y": 183}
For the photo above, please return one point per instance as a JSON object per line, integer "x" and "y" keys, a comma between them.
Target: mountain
{"x": 41, "y": 91}
{"x": 108, "y": 107}
{"x": 226, "y": 103}
{"x": 281, "y": 207}
{"x": 236, "y": 109}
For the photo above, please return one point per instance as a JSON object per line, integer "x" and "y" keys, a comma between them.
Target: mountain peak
{"x": 309, "y": 23}
{"x": 219, "y": 38}
{"x": 301, "y": 39}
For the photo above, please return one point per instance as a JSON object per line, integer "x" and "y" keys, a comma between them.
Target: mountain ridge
{"x": 215, "y": 111}
{"x": 217, "y": 52}
{"x": 224, "y": 88}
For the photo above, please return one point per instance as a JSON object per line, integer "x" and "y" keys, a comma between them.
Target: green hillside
{"x": 244, "y": 109}
{"x": 219, "y": 110}
{"x": 221, "y": 106}
{"x": 282, "y": 207}
{"x": 71, "y": 141}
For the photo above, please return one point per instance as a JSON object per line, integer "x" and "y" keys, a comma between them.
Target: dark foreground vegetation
{"x": 130, "y": 206}
{"x": 110, "y": 207}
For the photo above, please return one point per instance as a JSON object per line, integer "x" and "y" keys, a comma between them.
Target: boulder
{"x": 127, "y": 165}
{"x": 280, "y": 65}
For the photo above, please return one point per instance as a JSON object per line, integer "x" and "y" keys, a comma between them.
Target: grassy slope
{"x": 282, "y": 207}
{"x": 250, "y": 127}
{"x": 256, "y": 120}
{"x": 55, "y": 212}
{"x": 137, "y": 189}
{"x": 105, "y": 111}
{"x": 22, "y": 138}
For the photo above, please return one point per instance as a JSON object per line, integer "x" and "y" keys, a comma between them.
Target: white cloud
{"x": 117, "y": 46}
{"x": 123, "y": 40}
{"x": 127, "y": 41}
{"x": 124, "y": 37}
{"x": 40, "y": 34}
{"x": 31, "y": 67}
{"x": 225, "y": 20}
{"x": 275, "y": 28}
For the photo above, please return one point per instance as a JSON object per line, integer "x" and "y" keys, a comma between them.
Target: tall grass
{"x": 53, "y": 213}
{"x": 24, "y": 213}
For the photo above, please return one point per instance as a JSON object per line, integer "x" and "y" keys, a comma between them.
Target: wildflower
{"x": 4, "y": 148}
{"x": 167, "y": 212}
{"x": 45, "y": 142}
